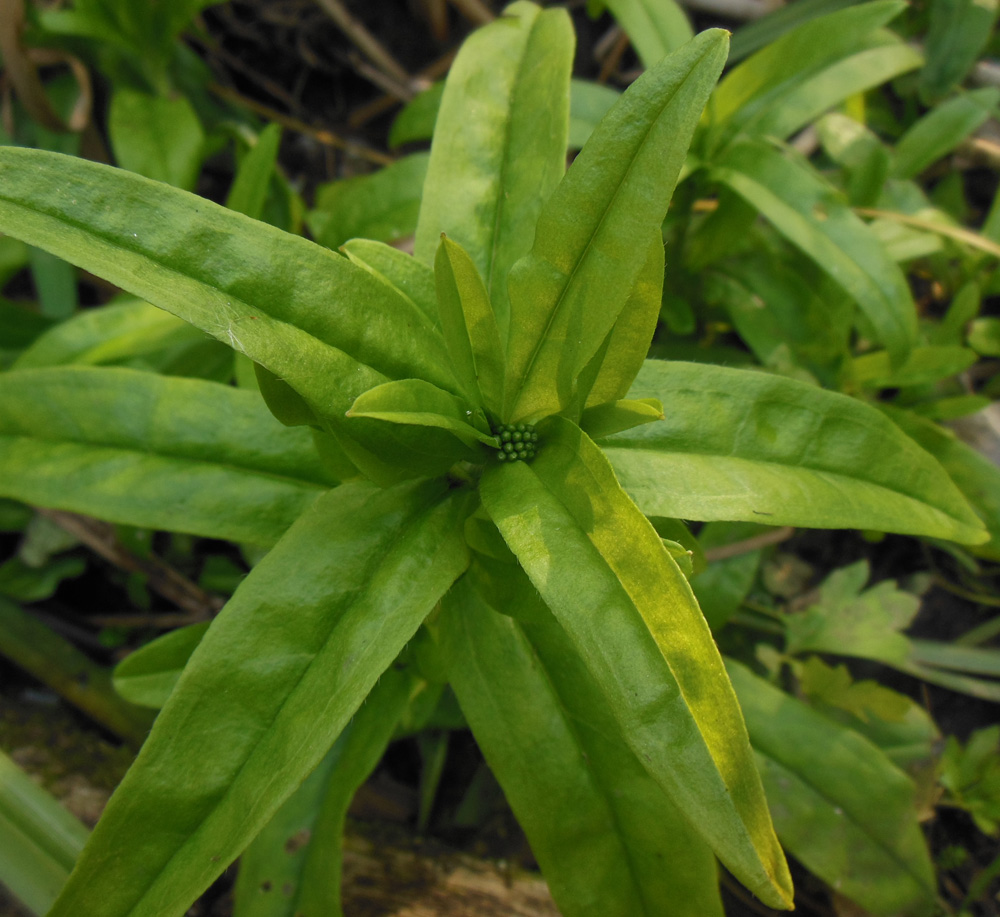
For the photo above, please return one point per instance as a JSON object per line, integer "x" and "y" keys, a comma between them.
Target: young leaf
{"x": 156, "y": 136}
{"x": 248, "y": 192}
{"x": 648, "y": 648}
{"x": 154, "y": 451}
{"x": 41, "y": 839}
{"x": 412, "y": 278}
{"x": 147, "y": 676}
{"x": 500, "y": 143}
{"x": 616, "y": 416}
{"x": 414, "y": 402}
{"x": 381, "y": 206}
{"x": 839, "y": 805}
{"x": 628, "y": 342}
{"x": 783, "y": 65}
{"x": 812, "y": 216}
{"x": 293, "y": 867}
{"x": 941, "y": 130}
{"x": 748, "y": 446}
{"x": 469, "y": 326}
{"x": 974, "y": 474}
{"x": 593, "y": 235}
{"x": 288, "y": 304}
{"x": 278, "y": 676}
{"x": 655, "y": 27}
{"x": 552, "y": 742}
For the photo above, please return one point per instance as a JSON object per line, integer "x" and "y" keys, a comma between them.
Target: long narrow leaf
{"x": 608, "y": 839}
{"x": 154, "y": 451}
{"x": 839, "y": 804}
{"x": 294, "y": 865}
{"x": 630, "y": 614}
{"x": 747, "y": 446}
{"x": 288, "y": 304}
{"x": 592, "y": 240}
{"x": 275, "y": 680}
{"x": 818, "y": 221}
{"x": 500, "y": 143}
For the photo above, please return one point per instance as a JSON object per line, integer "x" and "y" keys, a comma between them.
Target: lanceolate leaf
{"x": 413, "y": 402}
{"x": 779, "y": 70}
{"x": 469, "y": 326}
{"x": 412, "y": 278}
{"x": 815, "y": 218}
{"x": 154, "y": 451}
{"x": 279, "y": 674}
{"x": 593, "y": 235}
{"x": 655, "y": 27}
{"x": 500, "y": 144}
{"x": 288, "y": 304}
{"x": 838, "y": 803}
{"x": 608, "y": 838}
{"x": 640, "y": 634}
{"x": 293, "y": 867}
{"x": 743, "y": 445}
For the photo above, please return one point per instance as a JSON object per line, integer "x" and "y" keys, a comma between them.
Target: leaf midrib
{"x": 557, "y": 306}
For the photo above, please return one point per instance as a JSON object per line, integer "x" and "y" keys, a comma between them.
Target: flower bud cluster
{"x": 517, "y": 442}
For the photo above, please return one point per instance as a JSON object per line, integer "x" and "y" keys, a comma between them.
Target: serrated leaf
{"x": 279, "y": 674}
{"x": 745, "y": 445}
{"x": 154, "y": 451}
{"x": 648, "y": 649}
{"x": 593, "y": 235}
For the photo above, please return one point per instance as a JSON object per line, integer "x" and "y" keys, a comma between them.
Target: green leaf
{"x": 593, "y": 237}
{"x": 984, "y": 336}
{"x": 417, "y": 118}
{"x": 288, "y": 304}
{"x": 745, "y": 445}
{"x": 850, "y": 620}
{"x": 147, "y": 676}
{"x": 280, "y": 673}
{"x": 813, "y": 216}
{"x": 876, "y": 59}
{"x": 782, "y": 19}
{"x": 643, "y": 640}
{"x": 974, "y": 474}
{"x": 783, "y": 66}
{"x": 113, "y": 333}
{"x": 412, "y": 278}
{"x": 655, "y": 27}
{"x": 154, "y": 451}
{"x": 959, "y": 31}
{"x": 723, "y": 585}
{"x": 551, "y": 740}
{"x": 588, "y": 103}
{"x": 839, "y": 805}
{"x": 470, "y": 327}
{"x": 616, "y": 416}
{"x": 418, "y": 403}
{"x": 155, "y": 136}
{"x": 39, "y": 839}
{"x": 381, "y": 206}
{"x": 293, "y": 867}
{"x": 628, "y": 343}
{"x": 941, "y": 130}
{"x": 924, "y": 365}
{"x": 248, "y": 193}
{"x": 500, "y": 143}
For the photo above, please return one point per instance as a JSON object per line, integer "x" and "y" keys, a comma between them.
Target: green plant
{"x": 404, "y": 553}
